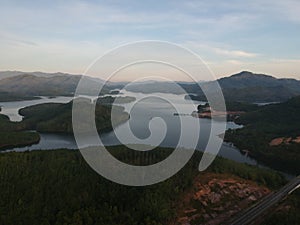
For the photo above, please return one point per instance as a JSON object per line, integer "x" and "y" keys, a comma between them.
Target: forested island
{"x": 115, "y": 100}
{"x": 52, "y": 118}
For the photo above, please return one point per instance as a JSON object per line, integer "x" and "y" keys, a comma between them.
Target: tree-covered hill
{"x": 58, "y": 187}
{"x": 250, "y": 87}
{"x": 266, "y": 124}
{"x": 54, "y": 118}
{"x": 57, "y": 117}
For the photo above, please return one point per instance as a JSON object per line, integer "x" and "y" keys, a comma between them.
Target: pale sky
{"x": 262, "y": 36}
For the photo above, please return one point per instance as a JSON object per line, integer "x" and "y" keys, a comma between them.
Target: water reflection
{"x": 142, "y": 114}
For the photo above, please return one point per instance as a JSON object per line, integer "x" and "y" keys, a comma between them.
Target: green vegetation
{"x": 287, "y": 212}
{"x": 241, "y": 106}
{"x": 156, "y": 87}
{"x": 28, "y": 86}
{"x": 264, "y": 125}
{"x": 117, "y": 100}
{"x": 18, "y": 139}
{"x": 7, "y": 125}
{"x": 52, "y": 117}
{"x": 248, "y": 87}
{"x": 236, "y": 106}
{"x": 269, "y": 178}
{"x": 12, "y": 136}
{"x": 114, "y": 92}
{"x": 10, "y": 97}
{"x": 58, "y": 187}
{"x": 57, "y": 117}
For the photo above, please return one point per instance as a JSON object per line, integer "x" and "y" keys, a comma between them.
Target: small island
{"x": 108, "y": 100}
{"x": 114, "y": 92}
{"x": 206, "y": 111}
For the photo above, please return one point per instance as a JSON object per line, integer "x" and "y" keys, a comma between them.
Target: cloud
{"x": 286, "y": 61}
{"x": 288, "y": 10}
{"x": 222, "y": 51}
{"x": 62, "y": 35}
{"x": 276, "y": 10}
{"x": 14, "y": 40}
{"x": 234, "y": 62}
{"x": 235, "y": 53}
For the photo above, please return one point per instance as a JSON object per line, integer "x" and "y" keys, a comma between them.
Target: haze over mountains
{"x": 247, "y": 86}
{"x": 244, "y": 86}
{"x": 250, "y": 87}
{"x": 6, "y": 74}
{"x": 39, "y": 84}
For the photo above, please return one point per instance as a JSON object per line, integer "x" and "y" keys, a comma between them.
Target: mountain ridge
{"x": 243, "y": 86}
{"x": 12, "y": 73}
{"x": 246, "y": 78}
{"x": 30, "y": 85}
{"x": 251, "y": 87}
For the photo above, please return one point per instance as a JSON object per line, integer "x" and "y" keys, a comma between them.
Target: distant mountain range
{"x": 244, "y": 86}
{"x": 250, "y": 87}
{"x": 30, "y": 85}
{"x": 6, "y": 74}
{"x": 157, "y": 87}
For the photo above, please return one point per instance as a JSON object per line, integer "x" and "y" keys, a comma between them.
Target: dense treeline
{"x": 230, "y": 105}
{"x": 18, "y": 139}
{"x": 9, "y": 97}
{"x": 7, "y": 125}
{"x": 118, "y": 100}
{"x": 11, "y": 134}
{"x": 57, "y": 117}
{"x": 264, "y": 125}
{"x": 58, "y": 187}
{"x": 52, "y": 117}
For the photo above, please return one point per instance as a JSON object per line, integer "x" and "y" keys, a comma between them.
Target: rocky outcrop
{"x": 215, "y": 198}
{"x": 284, "y": 140}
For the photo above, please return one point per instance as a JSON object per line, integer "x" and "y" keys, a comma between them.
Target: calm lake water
{"x": 142, "y": 115}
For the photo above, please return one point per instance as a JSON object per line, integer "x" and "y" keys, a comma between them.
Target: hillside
{"x": 270, "y": 134}
{"x": 25, "y": 86}
{"x": 51, "y": 117}
{"x": 58, "y": 187}
{"x": 246, "y": 79}
{"x": 13, "y": 134}
{"x": 57, "y": 117}
{"x": 286, "y": 212}
{"x": 244, "y": 86}
{"x": 7, "y": 74}
{"x": 155, "y": 86}
{"x": 250, "y": 87}
{"x": 284, "y": 116}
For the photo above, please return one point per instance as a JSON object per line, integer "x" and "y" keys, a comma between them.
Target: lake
{"x": 144, "y": 109}
{"x": 11, "y": 109}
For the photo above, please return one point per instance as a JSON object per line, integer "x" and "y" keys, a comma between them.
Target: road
{"x": 249, "y": 215}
